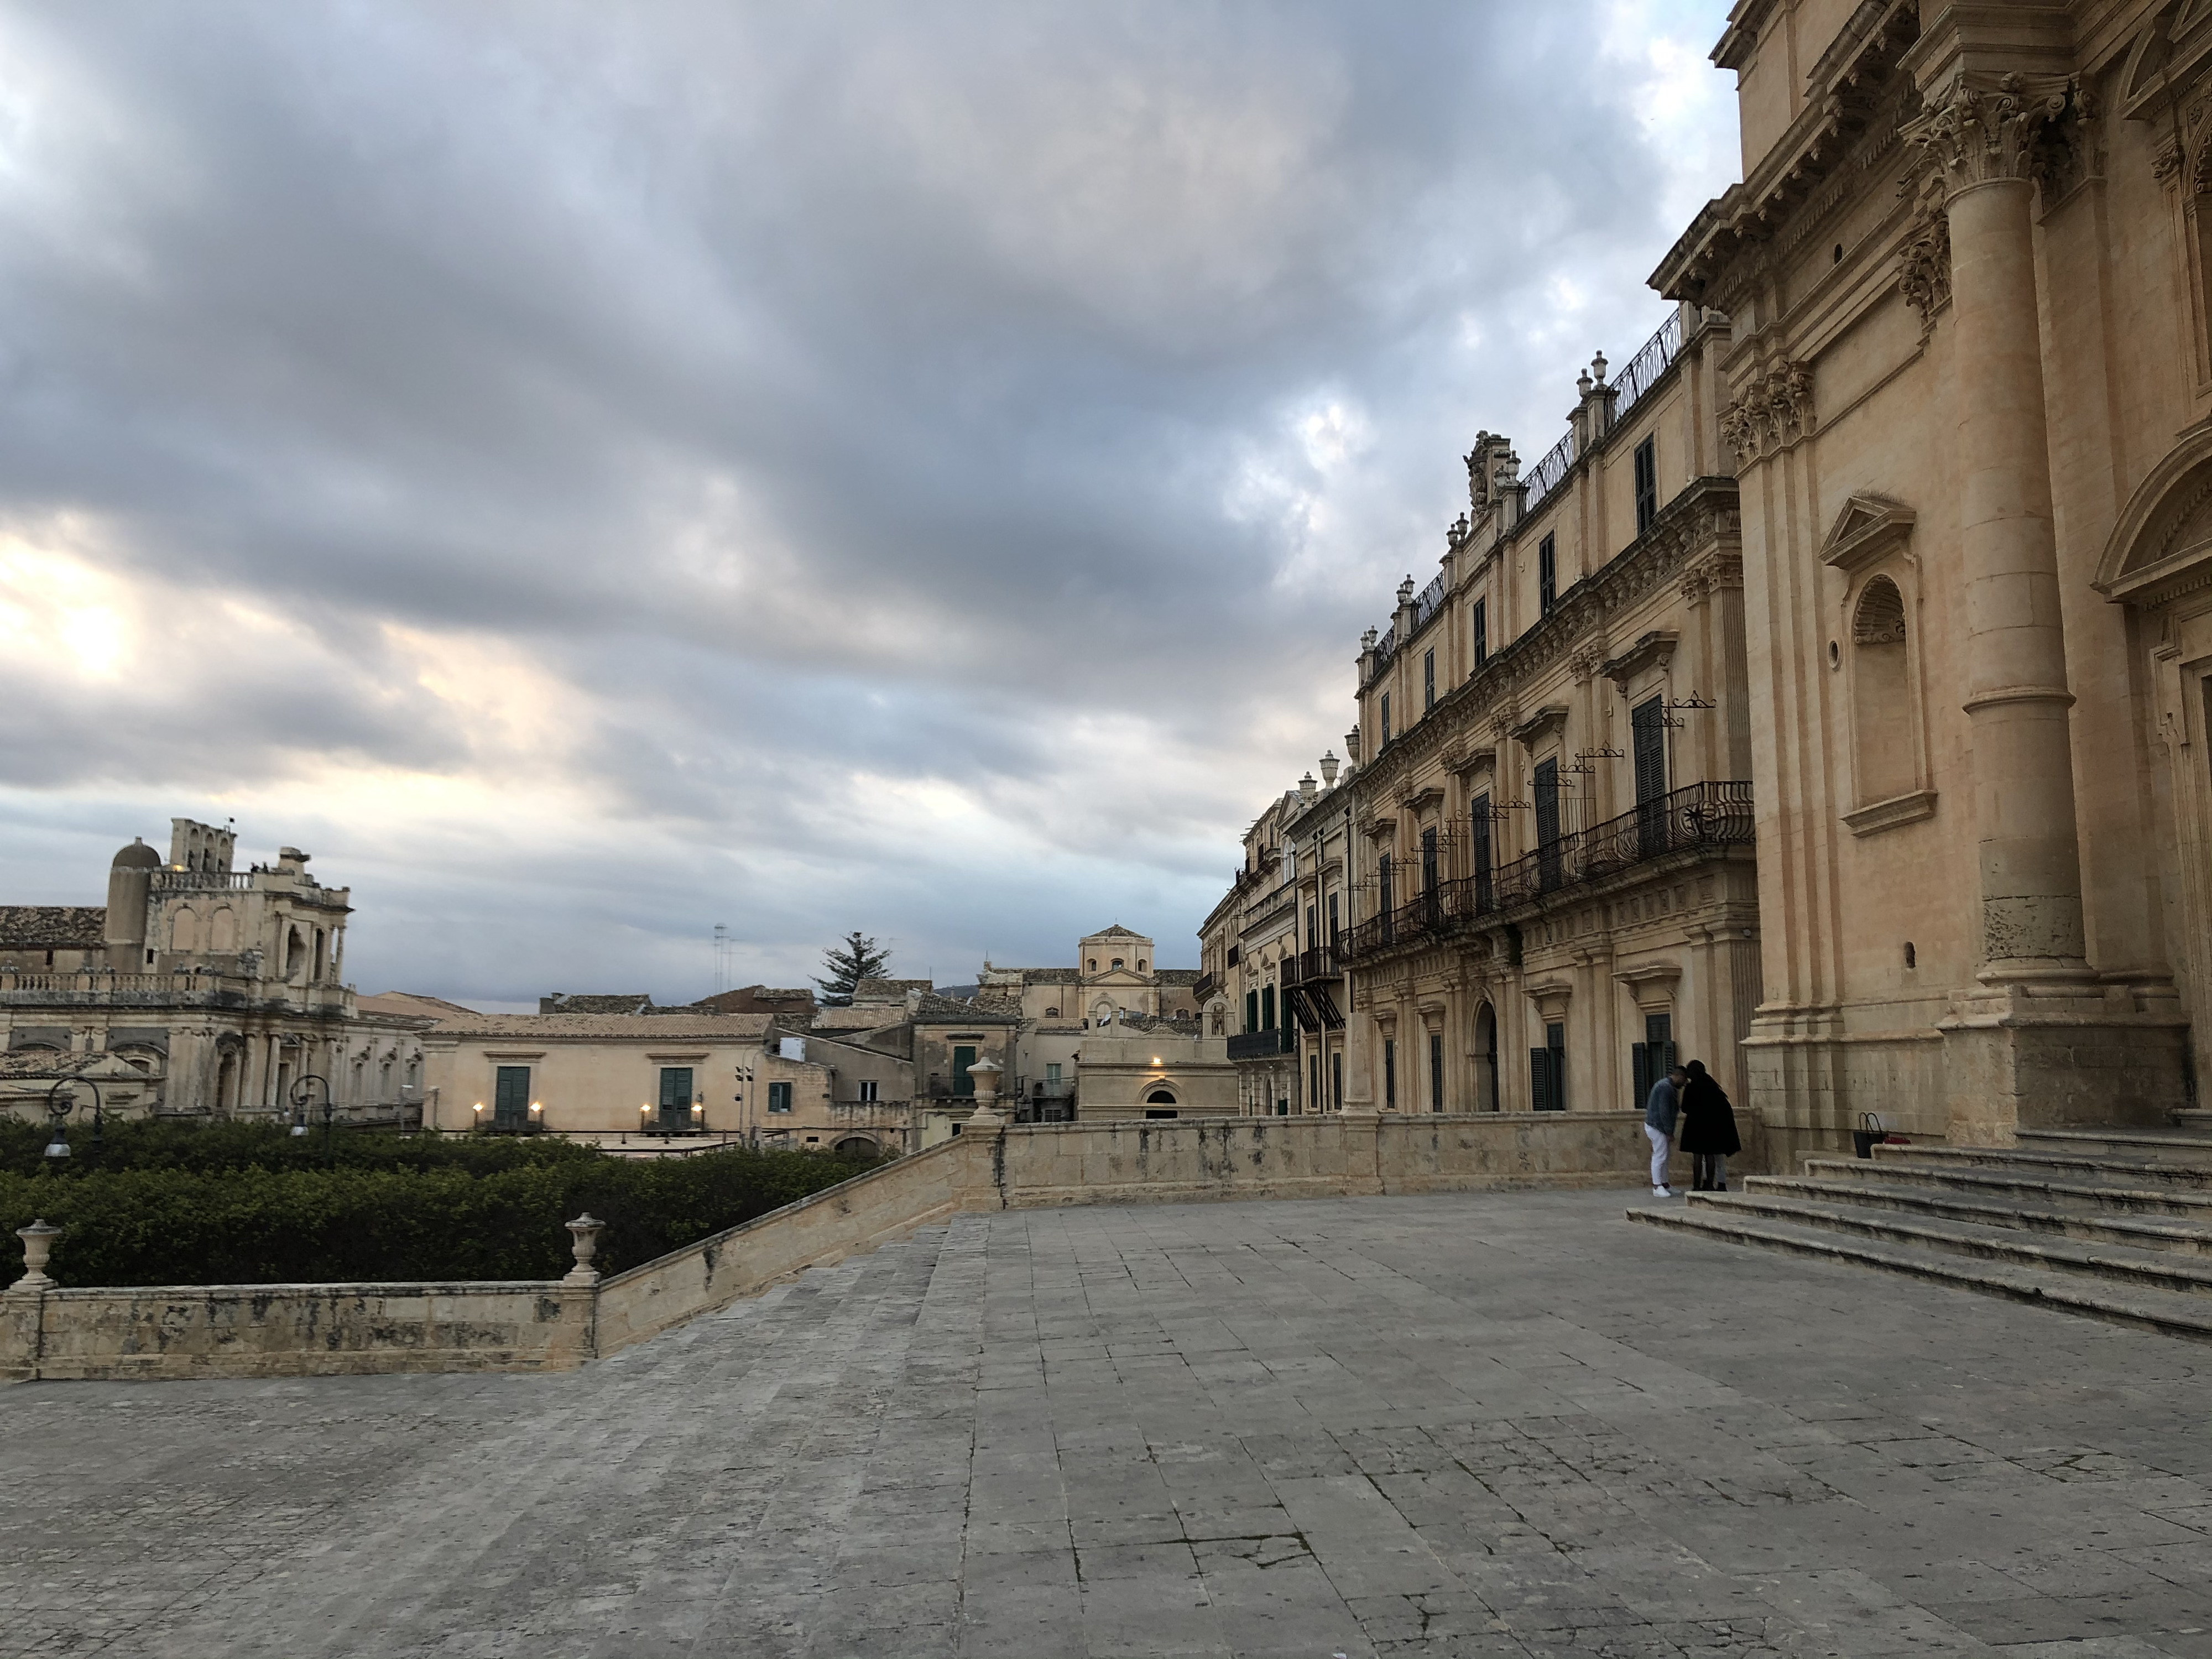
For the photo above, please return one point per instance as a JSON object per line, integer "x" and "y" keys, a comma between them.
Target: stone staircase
{"x": 2114, "y": 1223}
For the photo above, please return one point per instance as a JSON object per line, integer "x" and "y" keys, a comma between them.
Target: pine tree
{"x": 848, "y": 964}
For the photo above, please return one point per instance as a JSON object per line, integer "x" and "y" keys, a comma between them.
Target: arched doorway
{"x": 1159, "y": 1097}
{"x": 1486, "y": 1057}
{"x": 855, "y": 1146}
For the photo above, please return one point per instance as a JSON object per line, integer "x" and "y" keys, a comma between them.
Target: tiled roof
{"x": 865, "y": 1017}
{"x": 1050, "y": 976}
{"x": 888, "y": 990}
{"x": 1177, "y": 976}
{"x": 644, "y": 1027}
{"x": 47, "y": 927}
{"x": 407, "y": 1004}
{"x": 1117, "y": 931}
{"x": 947, "y": 1010}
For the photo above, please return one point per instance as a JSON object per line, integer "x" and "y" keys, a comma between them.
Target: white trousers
{"x": 1661, "y": 1146}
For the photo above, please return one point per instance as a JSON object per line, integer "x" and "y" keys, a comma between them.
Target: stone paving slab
{"x": 1478, "y": 1424}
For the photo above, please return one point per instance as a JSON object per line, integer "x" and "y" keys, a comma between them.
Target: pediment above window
{"x": 1870, "y": 529}
{"x": 2161, "y": 547}
{"x": 1546, "y": 722}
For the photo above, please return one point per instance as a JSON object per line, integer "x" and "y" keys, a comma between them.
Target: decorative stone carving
{"x": 1774, "y": 412}
{"x": 1923, "y": 264}
{"x": 1986, "y": 128}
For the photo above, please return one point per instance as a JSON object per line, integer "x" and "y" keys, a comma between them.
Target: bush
{"x": 174, "y": 1210}
{"x": 224, "y": 1144}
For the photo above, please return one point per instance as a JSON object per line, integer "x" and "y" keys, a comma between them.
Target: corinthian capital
{"x": 1987, "y": 127}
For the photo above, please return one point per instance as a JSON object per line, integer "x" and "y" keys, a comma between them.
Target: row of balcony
{"x": 1701, "y": 817}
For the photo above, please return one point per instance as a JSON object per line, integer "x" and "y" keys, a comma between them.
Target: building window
{"x": 1548, "y": 869}
{"x": 1428, "y": 681}
{"x": 1390, "y": 1074}
{"x": 675, "y": 1097}
{"x": 1547, "y": 1071}
{"x": 1547, "y": 575}
{"x": 1335, "y": 925}
{"x": 868, "y": 1096}
{"x": 1384, "y": 899}
{"x": 1481, "y": 632}
{"x": 963, "y": 1058}
{"x": 1313, "y": 928}
{"x": 1435, "y": 1072}
{"x": 1336, "y": 1078}
{"x": 1313, "y": 1083}
{"x": 510, "y": 1099}
{"x": 1251, "y": 1011}
{"x": 1647, "y": 483}
{"x": 1386, "y": 720}
{"x": 1478, "y": 843}
{"x": 1052, "y": 1071}
{"x": 1647, "y": 731}
{"x": 1094, "y": 964}
{"x": 779, "y": 1098}
{"x": 1267, "y": 1007}
{"x": 1651, "y": 1059}
{"x": 1140, "y": 965}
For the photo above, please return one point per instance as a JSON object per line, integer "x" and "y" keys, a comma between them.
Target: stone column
{"x": 1983, "y": 135}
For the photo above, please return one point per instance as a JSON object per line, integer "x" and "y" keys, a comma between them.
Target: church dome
{"x": 137, "y": 856}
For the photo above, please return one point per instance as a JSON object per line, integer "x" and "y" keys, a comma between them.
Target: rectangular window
{"x": 1547, "y": 575}
{"x": 1647, "y": 483}
{"x": 1648, "y": 1060}
{"x": 1267, "y": 1007}
{"x": 1647, "y": 730}
{"x": 963, "y": 1058}
{"x": 1313, "y": 928}
{"x": 1481, "y": 632}
{"x": 779, "y": 1098}
{"x": 1383, "y": 897}
{"x": 1477, "y": 843}
{"x": 1335, "y": 925}
{"x": 675, "y": 1097}
{"x": 1052, "y": 1071}
{"x": 1549, "y": 870}
{"x": 1251, "y": 1011}
{"x": 1389, "y": 1075}
{"x": 1428, "y": 681}
{"x": 1435, "y": 1072}
{"x": 510, "y": 1100}
{"x": 1312, "y": 1102}
{"x": 1336, "y": 1079}
{"x": 1555, "y": 1041}
{"x": 1431, "y": 910}
{"x": 1386, "y": 720}
{"x": 868, "y": 1096}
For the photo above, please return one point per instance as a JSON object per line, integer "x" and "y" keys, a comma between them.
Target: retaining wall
{"x": 265, "y": 1330}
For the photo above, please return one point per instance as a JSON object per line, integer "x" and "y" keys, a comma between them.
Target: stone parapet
{"x": 316, "y": 1330}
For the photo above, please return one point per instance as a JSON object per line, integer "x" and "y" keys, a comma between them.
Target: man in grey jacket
{"x": 1659, "y": 1114}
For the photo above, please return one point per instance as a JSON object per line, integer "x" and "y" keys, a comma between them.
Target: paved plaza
{"x": 1483, "y": 1425}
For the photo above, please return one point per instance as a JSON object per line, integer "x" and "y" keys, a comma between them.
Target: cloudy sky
{"x": 593, "y": 472}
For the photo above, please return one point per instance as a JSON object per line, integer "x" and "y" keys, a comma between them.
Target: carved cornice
{"x": 1655, "y": 650}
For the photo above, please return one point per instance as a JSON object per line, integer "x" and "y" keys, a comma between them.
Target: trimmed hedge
{"x": 224, "y": 1144}
{"x": 392, "y": 1208}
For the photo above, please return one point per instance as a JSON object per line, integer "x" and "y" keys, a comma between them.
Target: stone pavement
{"x": 1500, "y": 1423}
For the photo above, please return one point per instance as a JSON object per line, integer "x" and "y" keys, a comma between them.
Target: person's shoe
{"x": 1663, "y": 1191}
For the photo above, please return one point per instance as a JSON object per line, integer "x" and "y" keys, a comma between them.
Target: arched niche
{"x": 1875, "y": 648}
{"x": 2161, "y": 546}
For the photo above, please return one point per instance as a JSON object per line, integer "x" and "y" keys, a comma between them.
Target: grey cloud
{"x": 827, "y": 399}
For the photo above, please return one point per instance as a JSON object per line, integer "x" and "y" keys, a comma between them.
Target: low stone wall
{"x": 269, "y": 1330}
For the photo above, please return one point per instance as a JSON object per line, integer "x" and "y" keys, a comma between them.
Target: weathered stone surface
{"x": 1457, "y": 1425}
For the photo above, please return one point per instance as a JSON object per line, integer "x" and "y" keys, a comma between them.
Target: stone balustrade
{"x": 49, "y": 1331}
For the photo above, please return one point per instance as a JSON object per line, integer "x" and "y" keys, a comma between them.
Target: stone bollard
{"x": 585, "y": 1228}
{"x": 38, "y": 1240}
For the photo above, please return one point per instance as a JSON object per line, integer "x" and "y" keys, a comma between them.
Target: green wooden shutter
{"x": 963, "y": 1058}
{"x": 1539, "y": 1079}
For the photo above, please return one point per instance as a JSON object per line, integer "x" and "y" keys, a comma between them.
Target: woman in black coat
{"x": 1708, "y": 1130}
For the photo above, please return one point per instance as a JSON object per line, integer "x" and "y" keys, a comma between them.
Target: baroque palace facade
{"x": 1833, "y": 703}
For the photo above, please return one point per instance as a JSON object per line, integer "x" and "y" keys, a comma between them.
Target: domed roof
{"x": 137, "y": 856}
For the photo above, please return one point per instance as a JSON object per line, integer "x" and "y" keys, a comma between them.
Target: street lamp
{"x": 57, "y": 1110}
{"x": 303, "y": 1097}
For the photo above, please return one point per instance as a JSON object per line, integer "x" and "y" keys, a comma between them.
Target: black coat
{"x": 1708, "y": 1120}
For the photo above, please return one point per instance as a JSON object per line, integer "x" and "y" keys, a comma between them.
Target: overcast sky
{"x": 588, "y": 472}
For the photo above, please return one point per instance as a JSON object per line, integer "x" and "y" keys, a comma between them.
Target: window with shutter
{"x": 1647, "y": 483}
{"x": 1383, "y": 899}
{"x": 1251, "y": 1011}
{"x": 1386, "y": 720}
{"x": 1555, "y": 1039}
{"x": 1539, "y": 1079}
{"x": 1428, "y": 681}
{"x": 675, "y": 1097}
{"x": 1390, "y": 1074}
{"x": 963, "y": 1058}
{"x": 1481, "y": 632}
{"x": 1547, "y": 575}
{"x": 1267, "y": 1007}
{"x": 1478, "y": 843}
{"x": 1647, "y": 726}
{"x": 1435, "y": 1072}
{"x": 1548, "y": 868}
{"x": 1431, "y": 909}
{"x": 510, "y": 1100}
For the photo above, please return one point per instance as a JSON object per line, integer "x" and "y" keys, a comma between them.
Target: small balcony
{"x": 1309, "y": 966}
{"x": 1262, "y": 1045}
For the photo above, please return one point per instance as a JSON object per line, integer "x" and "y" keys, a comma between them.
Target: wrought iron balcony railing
{"x": 1260, "y": 1045}
{"x": 1309, "y": 965}
{"x": 1701, "y": 816}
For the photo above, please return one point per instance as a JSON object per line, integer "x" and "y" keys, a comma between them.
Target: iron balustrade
{"x": 1701, "y": 816}
{"x": 1262, "y": 1045}
{"x": 1310, "y": 965}
{"x": 1548, "y": 474}
{"x": 1644, "y": 371}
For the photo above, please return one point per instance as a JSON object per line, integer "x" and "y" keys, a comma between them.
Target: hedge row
{"x": 222, "y": 1143}
{"x": 179, "y": 1224}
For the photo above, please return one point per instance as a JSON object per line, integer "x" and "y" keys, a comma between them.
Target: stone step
{"x": 2030, "y": 1185}
{"x": 2053, "y": 1258}
{"x": 1992, "y": 1210}
{"x": 2191, "y": 1118}
{"x": 2140, "y": 1173}
{"x": 2173, "y": 1312}
{"x": 2155, "y": 1145}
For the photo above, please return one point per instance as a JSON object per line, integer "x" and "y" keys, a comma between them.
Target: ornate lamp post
{"x": 303, "y": 1097}
{"x": 58, "y": 1107}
